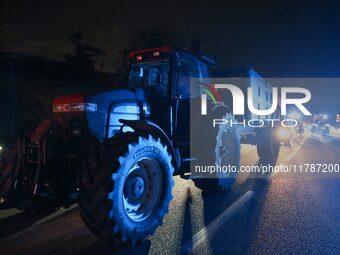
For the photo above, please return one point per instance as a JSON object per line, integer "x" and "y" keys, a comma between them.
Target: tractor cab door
{"x": 186, "y": 67}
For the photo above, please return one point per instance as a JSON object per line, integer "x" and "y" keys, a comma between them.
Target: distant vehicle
{"x": 284, "y": 134}
{"x": 326, "y": 129}
{"x": 116, "y": 151}
{"x": 300, "y": 129}
{"x": 320, "y": 128}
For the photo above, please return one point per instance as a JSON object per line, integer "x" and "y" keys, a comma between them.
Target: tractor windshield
{"x": 150, "y": 74}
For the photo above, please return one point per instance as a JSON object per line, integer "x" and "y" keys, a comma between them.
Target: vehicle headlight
{"x": 131, "y": 109}
{"x": 283, "y": 134}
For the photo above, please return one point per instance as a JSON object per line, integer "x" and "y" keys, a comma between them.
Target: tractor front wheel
{"x": 126, "y": 189}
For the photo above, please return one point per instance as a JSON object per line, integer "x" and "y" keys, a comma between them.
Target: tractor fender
{"x": 146, "y": 127}
{"x": 40, "y": 132}
{"x": 43, "y": 129}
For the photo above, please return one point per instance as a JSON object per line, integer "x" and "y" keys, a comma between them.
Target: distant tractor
{"x": 116, "y": 151}
{"x": 284, "y": 134}
{"x": 320, "y": 127}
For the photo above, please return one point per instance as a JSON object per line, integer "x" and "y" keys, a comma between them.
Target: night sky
{"x": 277, "y": 38}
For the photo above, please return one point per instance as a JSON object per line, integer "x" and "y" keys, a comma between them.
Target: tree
{"x": 157, "y": 35}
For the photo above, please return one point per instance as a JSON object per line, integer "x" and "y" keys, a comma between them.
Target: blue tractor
{"x": 115, "y": 152}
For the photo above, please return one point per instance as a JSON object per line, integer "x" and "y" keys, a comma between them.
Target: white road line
{"x": 39, "y": 222}
{"x": 296, "y": 150}
{"x": 211, "y": 229}
{"x": 56, "y": 214}
{"x": 290, "y": 156}
{"x": 5, "y": 213}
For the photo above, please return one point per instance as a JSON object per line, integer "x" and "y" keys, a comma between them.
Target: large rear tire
{"x": 126, "y": 189}
{"x": 227, "y": 152}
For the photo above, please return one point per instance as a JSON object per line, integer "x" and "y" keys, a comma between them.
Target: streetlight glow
{"x": 294, "y": 115}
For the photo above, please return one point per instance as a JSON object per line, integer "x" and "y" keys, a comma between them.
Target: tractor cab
{"x": 168, "y": 69}
{"x": 164, "y": 74}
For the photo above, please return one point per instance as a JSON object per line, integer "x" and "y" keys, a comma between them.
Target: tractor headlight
{"x": 283, "y": 134}
{"x": 132, "y": 109}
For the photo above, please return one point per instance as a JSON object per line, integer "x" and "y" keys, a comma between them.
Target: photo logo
{"x": 212, "y": 93}
{"x": 239, "y": 99}
{"x": 249, "y": 106}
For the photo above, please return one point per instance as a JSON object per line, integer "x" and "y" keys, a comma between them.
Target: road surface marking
{"x": 43, "y": 220}
{"x": 211, "y": 229}
{"x": 56, "y": 214}
{"x": 296, "y": 150}
{"x": 5, "y": 213}
{"x": 290, "y": 156}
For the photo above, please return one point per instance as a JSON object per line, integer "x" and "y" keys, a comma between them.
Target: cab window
{"x": 150, "y": 74}
{"x": 187, "y": 69}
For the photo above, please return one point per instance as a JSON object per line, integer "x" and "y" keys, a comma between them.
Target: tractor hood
{"x": 111, "y": 107}
{"x": 103, "y": 100}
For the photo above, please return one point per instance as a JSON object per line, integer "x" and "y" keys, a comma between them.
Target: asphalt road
{"x": 276, "y": 215}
